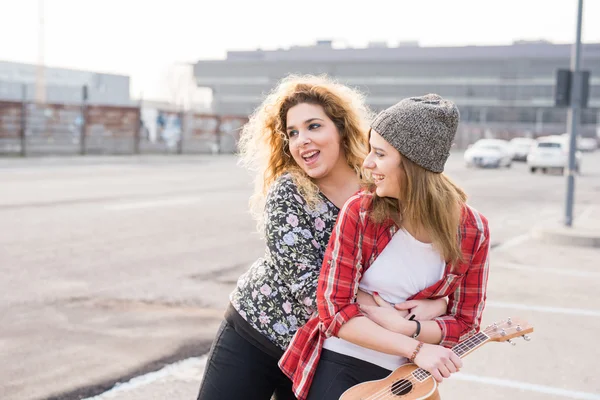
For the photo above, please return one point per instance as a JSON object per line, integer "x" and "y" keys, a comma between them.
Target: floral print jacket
{"x": 277, "y": 294}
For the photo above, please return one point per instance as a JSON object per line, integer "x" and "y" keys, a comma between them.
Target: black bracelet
{"x": 418, "y": 329}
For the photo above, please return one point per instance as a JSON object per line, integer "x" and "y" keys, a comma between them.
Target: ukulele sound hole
{"x": 401, "y": 387}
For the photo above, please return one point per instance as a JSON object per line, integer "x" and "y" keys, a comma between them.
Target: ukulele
{"x": 410, "y": 382}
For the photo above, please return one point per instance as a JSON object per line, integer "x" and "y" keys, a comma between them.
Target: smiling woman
{"x": 383, "y": 165}
{"x": 306, "y": 143}
{"x": 408, "y": 237}
{"x": 314, "y": 142}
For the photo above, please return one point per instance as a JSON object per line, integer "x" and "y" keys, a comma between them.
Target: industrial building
{"x": 508, "y": 90}
{"x": 60, "y": 85}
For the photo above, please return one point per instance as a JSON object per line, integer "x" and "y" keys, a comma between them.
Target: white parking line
{"x": 153, "y": 204}
{"x": 571, "y": 394}
{"x": 544, "y": 309}
{"x": 586, "y": 213}
{"x": 512, "y": 242}
{"x": 545, "y": 270}
{"x": 188, "y": 370}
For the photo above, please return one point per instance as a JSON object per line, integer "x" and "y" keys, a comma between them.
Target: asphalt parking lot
{"x": 114, "y": 267}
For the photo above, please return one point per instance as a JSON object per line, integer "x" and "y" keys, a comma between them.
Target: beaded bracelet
{"x": 414, "y": 354}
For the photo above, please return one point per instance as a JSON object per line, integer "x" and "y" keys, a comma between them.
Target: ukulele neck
{"x": 461, "y": 350}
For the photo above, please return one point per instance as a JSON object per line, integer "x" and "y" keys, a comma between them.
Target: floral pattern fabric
{"x": 277, "y": 294}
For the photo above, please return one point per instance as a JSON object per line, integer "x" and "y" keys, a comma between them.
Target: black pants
{"x": 337, "y": 373}
{"x": 236, "y": 370}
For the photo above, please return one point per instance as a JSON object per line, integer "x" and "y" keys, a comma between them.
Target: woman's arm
{"x": 365, "y": 299}
{"x": 437, "y": 360}
{"x": 339, "y": 312}
{"x": 391, "y": 318}
{"x": 291, "y": 244}
{"x": 466, "y": 303}
{"x": 342, "y": 265}
{"x": 367, "y": 333}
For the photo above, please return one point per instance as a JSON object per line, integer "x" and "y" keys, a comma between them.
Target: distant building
{"x": 499, "y": 88}
{"x": 63, "y": 86}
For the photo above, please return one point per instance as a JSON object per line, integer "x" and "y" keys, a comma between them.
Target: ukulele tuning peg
{"x": 527, "y": 338}
{"x": 511, "y": 342}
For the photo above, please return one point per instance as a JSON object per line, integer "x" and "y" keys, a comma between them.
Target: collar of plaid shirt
{"x": 465, "y": 286}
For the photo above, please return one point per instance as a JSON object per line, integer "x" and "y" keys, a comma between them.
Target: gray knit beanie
{"x": 422, "y": 129}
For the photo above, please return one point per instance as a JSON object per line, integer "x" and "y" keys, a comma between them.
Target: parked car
{"x": 521, "y": 146}
{"x": 492, "y": 153}
{"x": 552, "y": 152}
{"x": 584, "y": 143}
{"x": 587, "y": 144}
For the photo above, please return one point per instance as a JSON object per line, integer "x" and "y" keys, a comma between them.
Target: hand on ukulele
{"x": 439, "y": 361}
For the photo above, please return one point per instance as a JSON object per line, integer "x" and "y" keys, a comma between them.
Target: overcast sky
{"x": 142, "y": 39}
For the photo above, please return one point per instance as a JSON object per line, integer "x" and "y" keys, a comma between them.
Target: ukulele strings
{"x": 388, "y": 393}
{"x": 409, "y": 378}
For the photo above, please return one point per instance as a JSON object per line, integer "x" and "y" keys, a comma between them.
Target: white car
{"x": 587, "y": 144}
{"x": 551, "y": 152}
{"x": 583, "y": 143}
{"x": 521, "y": 147}
{"x": 492, "y": 153}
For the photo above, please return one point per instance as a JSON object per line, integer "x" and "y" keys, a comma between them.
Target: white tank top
{"x": 404, "y": 268}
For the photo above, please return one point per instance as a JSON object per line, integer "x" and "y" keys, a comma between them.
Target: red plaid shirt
{"x": 354, "y": 244}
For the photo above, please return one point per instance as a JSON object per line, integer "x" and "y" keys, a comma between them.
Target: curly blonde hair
{"x": 264, "y": 146}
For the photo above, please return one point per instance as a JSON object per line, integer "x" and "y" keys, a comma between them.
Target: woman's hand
{"x": 423, "y": 310}
{"x": 390, "y": 318}
{"x": 439, "y": 361}
{"x": 382, "y": 303}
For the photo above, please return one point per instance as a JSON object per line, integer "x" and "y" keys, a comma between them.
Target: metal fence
{"x": 28, "y": 128}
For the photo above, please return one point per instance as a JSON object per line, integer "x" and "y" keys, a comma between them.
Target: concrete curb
{"x": 568, "y": 236}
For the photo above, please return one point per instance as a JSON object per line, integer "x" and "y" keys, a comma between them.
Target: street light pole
{"x": 40, "y": 79}
{"x": 573, "y": 116}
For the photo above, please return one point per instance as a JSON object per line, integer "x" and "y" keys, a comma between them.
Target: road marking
{"x": 557, "y": 271}
{"x": 571, "y": 394}
{"x": 544, "y": 309}
{"x": 512, "y": 242}
{"x": 153, "y": 204}
{"x": 189, "y": 370}
{"x": 586, "y": 213}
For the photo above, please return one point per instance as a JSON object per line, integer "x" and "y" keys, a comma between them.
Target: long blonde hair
{"x": 431, "y": 200}
{"x": 264, "y": 147}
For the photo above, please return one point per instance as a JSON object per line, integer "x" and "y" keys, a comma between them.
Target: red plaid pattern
{"x": 354, "y": 244}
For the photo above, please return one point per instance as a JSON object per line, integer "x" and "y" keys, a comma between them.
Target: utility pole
{"x": 40, "y": 81}
{"x": 573, "y": 116}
